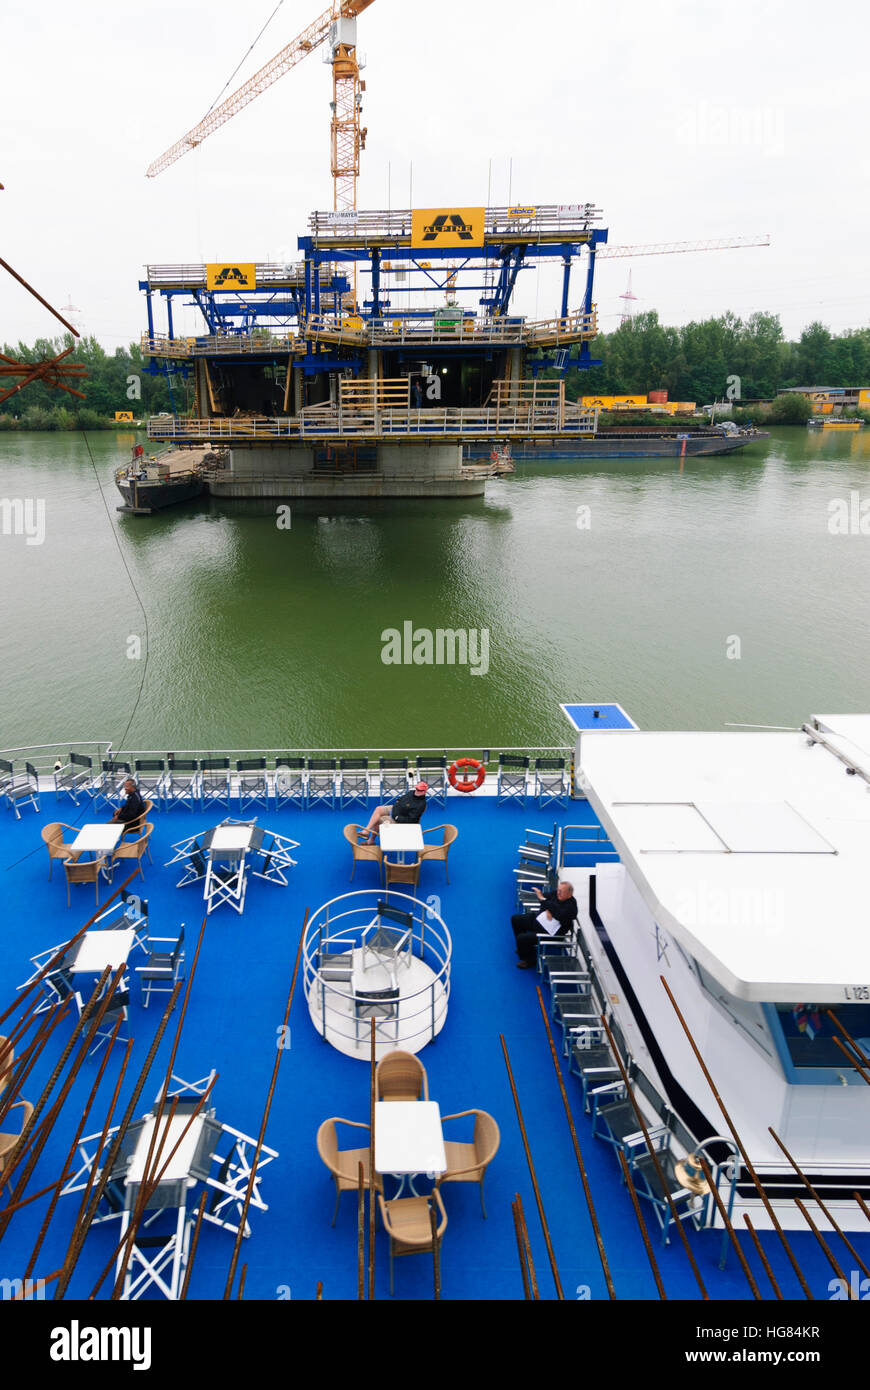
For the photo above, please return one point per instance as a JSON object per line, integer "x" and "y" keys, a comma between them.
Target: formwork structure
{"x": 295, "y": 372}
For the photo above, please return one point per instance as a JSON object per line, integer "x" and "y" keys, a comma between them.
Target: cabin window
{"x": 743, "y": 1013}
{"x": 810, "y": 1035}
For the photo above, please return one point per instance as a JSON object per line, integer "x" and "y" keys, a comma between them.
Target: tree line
{"x": 115, "y": 381}
{"x": 699, "y": 361}
{"x": 710, "y": 360}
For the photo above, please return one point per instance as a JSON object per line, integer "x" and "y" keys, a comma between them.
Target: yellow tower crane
{"x": 337, "y": 28}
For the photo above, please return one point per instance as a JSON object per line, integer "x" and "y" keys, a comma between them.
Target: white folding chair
{"x": 181, "y": 784}
{"x": 253, "y": 783}
{"x": 274, "y": 853}
{"x": 214, "y": 782}
{"x": 226, "y": 881}
{"x": 76, "y": 778}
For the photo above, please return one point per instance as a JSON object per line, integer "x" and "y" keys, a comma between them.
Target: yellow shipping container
{"x": 864, "y": 398}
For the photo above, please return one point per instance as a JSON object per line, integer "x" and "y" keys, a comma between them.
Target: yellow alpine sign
{"x": 452, "y": 227}
{"x": 231, "y": 275}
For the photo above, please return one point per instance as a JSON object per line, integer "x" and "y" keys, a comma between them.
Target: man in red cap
{"x": 408, "y": 810}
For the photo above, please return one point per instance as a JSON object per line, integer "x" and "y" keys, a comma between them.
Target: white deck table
{"x": 400, "y": 839}
{"x": 233, "y": 838}
{"x": 179, "y": 1166}
{"x": 98, "y": 839}
{"x": 409, "y": 1139}
{"x": 98, "y": 949}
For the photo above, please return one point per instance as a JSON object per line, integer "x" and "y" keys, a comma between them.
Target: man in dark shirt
{"x": 561, "y": 908}
{"x": 133, "y": 808}
{"x": 407, "y": 810}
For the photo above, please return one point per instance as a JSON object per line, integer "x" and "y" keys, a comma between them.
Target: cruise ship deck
{"x": 232, "y": 1024}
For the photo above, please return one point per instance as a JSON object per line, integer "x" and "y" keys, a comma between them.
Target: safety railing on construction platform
{"x": 387, "y": 332}
{"x": 195, "y": 276}
{"x": 550, "y": 222}
{"x": 216, "y": 345}
{"x": 512, "y": 420}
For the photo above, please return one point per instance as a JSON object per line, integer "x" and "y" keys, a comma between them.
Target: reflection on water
{"x": 264, "y": 636}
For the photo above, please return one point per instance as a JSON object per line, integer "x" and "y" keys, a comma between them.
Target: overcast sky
{"x": 681, "y": 120}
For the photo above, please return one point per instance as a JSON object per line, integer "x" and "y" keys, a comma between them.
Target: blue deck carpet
{"x": 232, "y": 1023}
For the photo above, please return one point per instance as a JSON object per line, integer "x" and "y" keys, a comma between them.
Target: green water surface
{"x": 259, "y": 636}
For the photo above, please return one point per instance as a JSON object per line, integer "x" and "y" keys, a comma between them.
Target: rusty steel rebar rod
{"x": 739, "y": 1142}
{"x": 372, "y": 1069}
{"x": 436, "y": 1250}
{"x": 67, "y": 1168}
{"x": 527, "y": 1293}
{"x": 194, "y": 1242}
{"x": 23, "y": 1142}
{"x": 41, "y": 1137}
{"x": 862, "y": 1072}
{"x": 249, "y": 1190}
{"x": 543, "y": 1219}
{"x": 242, "y": 1277}
{"x": 761, "y": 1255}
{"x": 29, "y": 1058}
{"x": 150, "y": 1176}
{"x": 361, "y": 1232}
{"x": 318, "y": 1292}
{"x": 862, "y": 1204}
{"x": 828, "y": 1252}
{"x": 148, "y": 1185}
{"x": 848, "y": 1036}
{"x": 527, "y": 1249}
{"x": 48, "y": 370}
{"x": 638, "y": 1214}
{"x": 726, "y": 1222}
{"x": 151, "y": 1179}
{"x": 663, "y": 1182}
{"x": 820, "y": 1204}
{"x": 61, "y": 951}
{"x": 587, "y": 1191}
{"x": 36, "y": 295}
{"x": 94, "y": 1189}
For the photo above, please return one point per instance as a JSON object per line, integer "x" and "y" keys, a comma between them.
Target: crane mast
{"x": 336, "y": 26}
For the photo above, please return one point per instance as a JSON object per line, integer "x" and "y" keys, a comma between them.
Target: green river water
{"x": 266, "y": 637}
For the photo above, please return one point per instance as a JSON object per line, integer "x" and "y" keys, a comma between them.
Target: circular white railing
{"x": 360, "y": 964}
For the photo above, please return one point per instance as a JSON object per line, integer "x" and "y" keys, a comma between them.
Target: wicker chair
{"x": 469, "y": 1162}
{"x": 440, "y": 851}
{"x": 402, "y": 873}
{"x": 401, "y": 1076}
{"x": 57, "y": 848}
{"x": 134, "y": 827}
{"x": 135, "y": 849}
{"x": 84, "y": 871}
{"x": 9, "y": 1141}
{"x": 343, "y": 1164}
{"x": 409, "y": 1226}
{"x": 373, "y": 852}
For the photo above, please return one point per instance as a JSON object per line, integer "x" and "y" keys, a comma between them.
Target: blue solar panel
{"x": 598, "y": 717}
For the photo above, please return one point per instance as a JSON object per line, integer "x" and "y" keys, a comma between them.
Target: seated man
{"x": 133, "y": 808}
{"x": 561, "y": 910}
{"x": 408, "y": 810}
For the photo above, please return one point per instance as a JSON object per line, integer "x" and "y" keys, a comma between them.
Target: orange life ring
{"x": 465, "y": 785}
